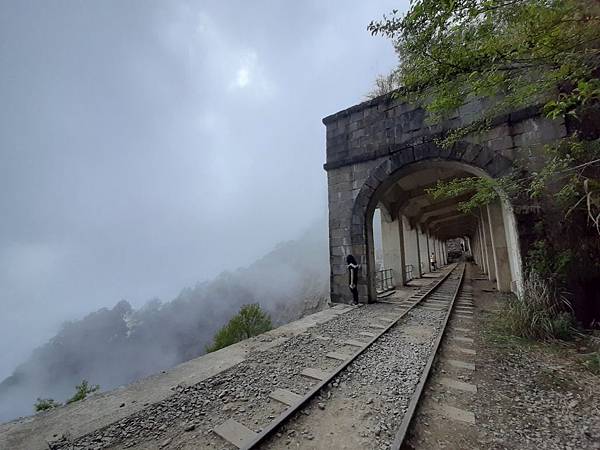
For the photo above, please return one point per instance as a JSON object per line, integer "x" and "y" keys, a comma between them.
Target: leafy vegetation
{"x": 592, "y": 362}
{"x": 510, "y": 55}
{"x": 522, "y": 52}
{"x": 43, "y": 404}
{"x": 250, "y": 321}
{"x": 540, "y": 313}
{"x": 82, "y": 390}
{"x": 115, "y": 346}
{"x": 518, "y": 53}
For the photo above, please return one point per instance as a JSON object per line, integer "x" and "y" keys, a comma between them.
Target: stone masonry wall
{"x": 368, "y": 143}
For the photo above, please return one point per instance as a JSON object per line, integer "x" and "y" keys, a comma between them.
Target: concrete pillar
{"x": 513, "y": 247}
{"x": 392, "y": 248}
{"x": 427, "y": 262}
{"x": 443, "y": 253}
{"x": 411, "y": 247}
{"x": 418, "y": 270}
{"x": 489, "y": 252}
{"x": 423, "y": 257}
{"x": 499, "y": 247}
{"x": 482, "y": 248}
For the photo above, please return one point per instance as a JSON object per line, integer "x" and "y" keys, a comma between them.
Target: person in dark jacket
{"x": 353, "y": 277}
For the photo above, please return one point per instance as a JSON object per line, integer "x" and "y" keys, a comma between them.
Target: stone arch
{"x": 473, "y": 158}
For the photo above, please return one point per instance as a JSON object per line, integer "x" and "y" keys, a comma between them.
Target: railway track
{"x": 250, "y": 405}
{"x": 438, "y": 297}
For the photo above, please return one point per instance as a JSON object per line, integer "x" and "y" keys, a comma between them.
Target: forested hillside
{"x": 115, "y": 346}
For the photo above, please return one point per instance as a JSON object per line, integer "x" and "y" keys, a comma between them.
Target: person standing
{"x": 433, "y": 262}
{"x": 353, "y": 277}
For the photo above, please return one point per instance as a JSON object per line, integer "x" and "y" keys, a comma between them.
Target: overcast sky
{"x": 145, "y": 146}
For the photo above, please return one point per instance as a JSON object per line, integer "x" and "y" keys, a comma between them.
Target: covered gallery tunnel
{"x": 383, "y": 154}
{"x": 407, "y": 230}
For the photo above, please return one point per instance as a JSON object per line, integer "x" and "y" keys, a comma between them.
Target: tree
{"x": 250, "y": 321}
{"x": 43, "y": 404}
{"x": 521, "y": 50}
{"x": 541, "y": 54}
{"x": 82, "y": 390}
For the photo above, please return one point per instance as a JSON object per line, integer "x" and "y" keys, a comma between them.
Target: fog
{"x": 148, "y": 146}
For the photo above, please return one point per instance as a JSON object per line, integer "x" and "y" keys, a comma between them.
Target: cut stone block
{"x": 235, "y": 433}
{"x": 317, "y": 374}
{"x": 458, "y": 414}
{"x": 337, "y": 355}
{"x": 286, "y": 397}
{"x": 460, "y": 385}
{"x": 461, "y": 364}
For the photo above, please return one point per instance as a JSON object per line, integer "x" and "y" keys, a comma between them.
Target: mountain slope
{"x": 112, "y": 347}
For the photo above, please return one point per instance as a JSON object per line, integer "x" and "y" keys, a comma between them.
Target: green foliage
{"x": 250, "y": 321}
{"x": 82, "y": 390}
{"x": 43, "y": 404}
{"x": 482, "y": 190}
{"x": 541, "y": 313}
{"x": 547, "y": 261}
{"x": 524, "y": 52}
{"x": 592, "y": 362}
{"x": 514, "y": 54}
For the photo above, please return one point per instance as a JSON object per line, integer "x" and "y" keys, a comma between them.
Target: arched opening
{"x": 414, "y": 228}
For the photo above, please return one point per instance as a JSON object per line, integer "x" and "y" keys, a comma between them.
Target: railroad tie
{"x": 376, "y": 325}
{"x": 466, "y": 351}
{"x": 286, "y": 397}
{"x": 337, "y": 355}
{"x": 316, "y": 374}
{"x": 462, "y": 330}
{"x": 386, "y": 319}
{"x": 458, "y": 414}
{"x": 468, "y": 340}
{"x": 460, "y": 385}
{"x": 462, "y": 316}
{"x": 367, "y": 334}
{"x": 354, "y": 343}
{"x": 235, "y": 433}
{"x": 460, "y": 364}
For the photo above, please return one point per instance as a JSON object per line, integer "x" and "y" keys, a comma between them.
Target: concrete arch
{"x": 471, "y": 158}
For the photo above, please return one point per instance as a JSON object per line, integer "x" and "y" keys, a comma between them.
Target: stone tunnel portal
{"x": 382, "y": 154}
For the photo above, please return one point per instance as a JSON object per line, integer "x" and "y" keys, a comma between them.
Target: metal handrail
{"x": 408, "y": 272}
{"x": 384, "y": 280}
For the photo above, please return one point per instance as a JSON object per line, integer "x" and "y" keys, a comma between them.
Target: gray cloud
{"x": 145, "y": 146}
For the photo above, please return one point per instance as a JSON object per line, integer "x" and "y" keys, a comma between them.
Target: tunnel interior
{"x": 408, "y": 230}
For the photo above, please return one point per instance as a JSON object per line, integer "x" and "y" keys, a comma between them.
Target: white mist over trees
{"x": 115, "y": 346}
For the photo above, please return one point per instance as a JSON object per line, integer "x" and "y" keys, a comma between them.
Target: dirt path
{"x": 528, "y": 396}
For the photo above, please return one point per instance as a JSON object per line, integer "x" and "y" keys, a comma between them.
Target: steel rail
{"x": 276, "y": 423}
{"x": 412, "y": 406}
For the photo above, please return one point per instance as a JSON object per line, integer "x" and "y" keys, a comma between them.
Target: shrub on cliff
{"x": 250, "y": 321}
{"x": 82, "y": 390}
{"x": 43, "y": 404}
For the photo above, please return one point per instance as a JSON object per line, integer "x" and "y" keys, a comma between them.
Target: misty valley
{"x": 116, "y": 346}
